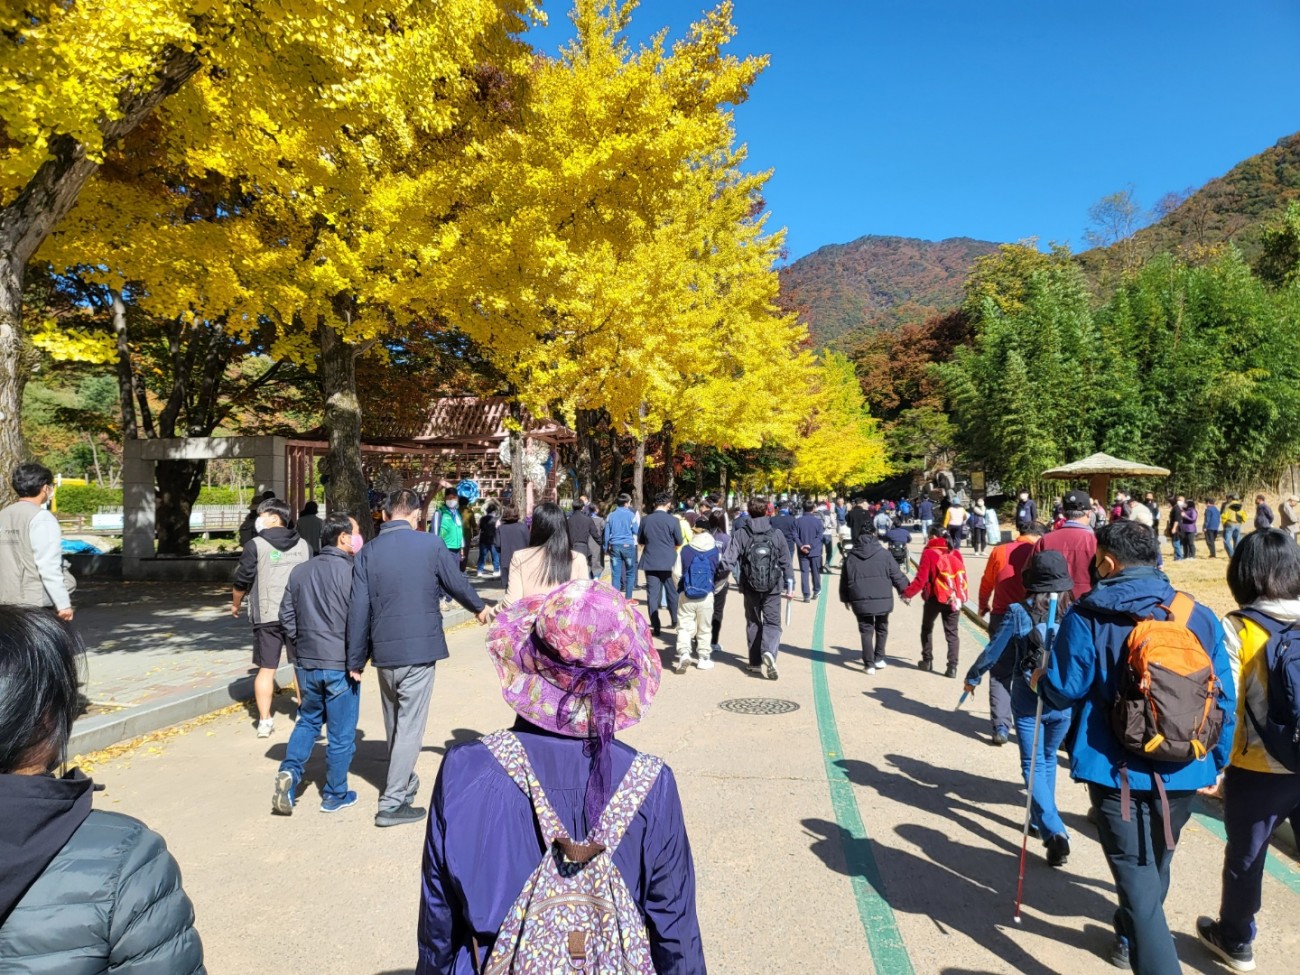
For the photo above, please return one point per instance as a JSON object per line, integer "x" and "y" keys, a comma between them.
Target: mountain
{"x": 1234, "y": 207}
{"x": 878, "y": 282}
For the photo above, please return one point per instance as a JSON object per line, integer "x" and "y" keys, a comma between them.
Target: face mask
{"x": 453, "y": 504}
{"x": 357, "y": 542}
{"x": 260, "y": 524}
{"x": 1024, "y": 497}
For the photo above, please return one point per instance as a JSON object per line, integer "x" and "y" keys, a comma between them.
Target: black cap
{"x": 1077, "y": 501}
{"x": 1047, "y": 571}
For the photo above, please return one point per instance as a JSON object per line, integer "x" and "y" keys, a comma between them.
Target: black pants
{"x": 719, "y": 602}
{"x": 1211, "y": 539}
{"x": 1189, "y": 545}
{"x": 954, "y": 534}
{"x": 874, "y": 631}
{"x": 657, "y": 584}
{"x": 762, "y": 625}
{"x": 979, "y": 538}
{"x": 932, "y": 610}
{"x": 1139, "y": 861}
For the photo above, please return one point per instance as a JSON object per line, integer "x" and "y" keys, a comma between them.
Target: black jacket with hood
{"x": 84, "y": 892}
{"x": 314, "y": 612}
{"x": 869, "y": 578}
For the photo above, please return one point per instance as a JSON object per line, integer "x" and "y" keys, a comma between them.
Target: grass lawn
{"x": 1202, "y": 577}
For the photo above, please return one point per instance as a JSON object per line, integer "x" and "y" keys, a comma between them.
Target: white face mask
{"x": 453, "y": 503}
{"x": 260, "y": 524}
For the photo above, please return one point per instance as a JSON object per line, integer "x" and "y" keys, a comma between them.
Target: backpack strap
{"x": 509, "y": 752}
{"x": 626, "y": 801}
{"x": 1180, "y": 608}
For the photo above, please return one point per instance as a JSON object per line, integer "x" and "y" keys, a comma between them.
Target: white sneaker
{"x": 265, "y": 727}
{"x": 769, "y": 667}
{"x": 704, "y": 663}
{"x": 880, "y": 664}
{"x": 681, "y": 664}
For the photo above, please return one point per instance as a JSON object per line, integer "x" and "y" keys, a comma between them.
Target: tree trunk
{"x": 179, "y": 483}
{"x": 13, "y": 376}
{"x": 584, "y": 462}
{"x": 518, "y": 483}
{"x": 638, "y": 464}
{"x": 670, "y": 466}
{"x": 699, "y": 471}
{"x": 94, "y": 456}
{"x": 347, "y": 487}
{"x": 615, "y": 468}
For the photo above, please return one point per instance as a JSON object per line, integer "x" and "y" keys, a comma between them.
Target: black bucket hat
{"x": 1047, "y": 572}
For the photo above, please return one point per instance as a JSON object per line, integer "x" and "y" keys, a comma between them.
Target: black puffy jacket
{"x": 869, "y": 577}
{"x": 109, "y": 901}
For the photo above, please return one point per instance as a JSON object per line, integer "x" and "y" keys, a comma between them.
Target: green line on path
{"x": 1277, "y": 864}
{"x": 883, "y": 938}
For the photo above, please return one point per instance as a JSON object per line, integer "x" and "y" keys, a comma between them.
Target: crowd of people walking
{"x": 1090, "y": 650}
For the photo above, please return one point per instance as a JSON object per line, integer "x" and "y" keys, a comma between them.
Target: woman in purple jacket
{"x": 584, "y": 652}
{"x": 1189, "y": 530}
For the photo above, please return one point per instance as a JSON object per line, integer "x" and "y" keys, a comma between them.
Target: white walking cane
{"x": 1033, "y": 758}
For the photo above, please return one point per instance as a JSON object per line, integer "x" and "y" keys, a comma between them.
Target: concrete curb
{"x": 104, "y": 730}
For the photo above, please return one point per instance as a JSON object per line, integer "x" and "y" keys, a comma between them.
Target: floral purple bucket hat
{"x": 578, "y": 661}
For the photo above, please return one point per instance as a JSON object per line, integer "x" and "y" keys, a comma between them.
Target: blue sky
{"x": 1000, "y": 119}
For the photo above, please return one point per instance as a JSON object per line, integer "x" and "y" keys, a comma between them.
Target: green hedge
{"x": 86, "y": 499}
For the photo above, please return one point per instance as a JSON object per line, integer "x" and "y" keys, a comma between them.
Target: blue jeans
{"x": 1231, "y": 538}
{"x": 333, "y": 698}
{"x": 484, "y": 551}
{"x": 622, "y": 568}
{"x": 1176, "y": 540}
{"x": 1056, "y": 724}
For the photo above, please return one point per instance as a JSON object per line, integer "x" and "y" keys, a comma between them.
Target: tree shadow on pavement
{"x": 369, "y": 762}
{"x": 972, "y": 891}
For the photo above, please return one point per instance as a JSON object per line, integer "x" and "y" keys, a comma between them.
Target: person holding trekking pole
{"x": 1130, "y": 642}
{"x": 1024, "y": 634}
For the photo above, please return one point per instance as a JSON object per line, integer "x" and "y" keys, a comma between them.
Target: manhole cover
{"x": 759, "y": 705}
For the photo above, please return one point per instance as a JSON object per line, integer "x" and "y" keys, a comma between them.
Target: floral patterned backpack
{"x": 575, "y": 913}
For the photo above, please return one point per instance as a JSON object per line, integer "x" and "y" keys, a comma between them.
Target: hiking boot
{"x": 925, "y": 665}
{"x": 400, "y": 816}
{"x": 265, "y": 727}
{"x": 704, "y": 662}
{"x": 282, "y": 801}
{"x": 681, "y": 664}
{"x": 951, "y": 671}
{"x": 1000, "y": 737}
{"x": 769, "y": 667}
{"x": 1119, "y": 954}
{"x": 334, "y": 805}
{"x": 1240, "y": 958}
{"x": 1058, "y": 850}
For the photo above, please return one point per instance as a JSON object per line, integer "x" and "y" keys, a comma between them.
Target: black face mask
{"x": 1093, "y": 575}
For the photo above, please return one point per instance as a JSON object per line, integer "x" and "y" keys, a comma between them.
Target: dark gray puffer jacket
{"x": 110, "y": 901}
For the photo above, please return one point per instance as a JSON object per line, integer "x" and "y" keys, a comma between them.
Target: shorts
{"x": 268, "y": 638}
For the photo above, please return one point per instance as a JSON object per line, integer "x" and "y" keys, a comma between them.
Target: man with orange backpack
{"x": 941, "y": 581}
{"x": 1146, "y": 670}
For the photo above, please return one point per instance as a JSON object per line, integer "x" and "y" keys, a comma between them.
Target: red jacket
{"x": 1000, "y": 586}
{"x": 929, "y": 567}
{"x": 1078, "y": 544}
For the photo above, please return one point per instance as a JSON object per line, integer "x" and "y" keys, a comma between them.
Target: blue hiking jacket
{"x": 1082, "y": 673}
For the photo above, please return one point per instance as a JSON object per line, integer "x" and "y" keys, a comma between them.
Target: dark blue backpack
{"x": 698, "y": 579}
{"x": 1279, "y": 727}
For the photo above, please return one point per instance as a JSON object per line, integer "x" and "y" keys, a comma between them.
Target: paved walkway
{"x": 872, "y": 829}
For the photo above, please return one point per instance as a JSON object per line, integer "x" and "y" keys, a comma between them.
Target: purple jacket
{"x": 1189, "y": 519}
{"x": 482, "y": 846}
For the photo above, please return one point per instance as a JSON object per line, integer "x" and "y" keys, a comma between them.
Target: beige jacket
{"x": 526, "y": 573}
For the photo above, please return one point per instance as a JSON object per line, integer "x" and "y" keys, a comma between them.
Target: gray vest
{"x": 20, "y": 577}
{"x": 273, "y": 568}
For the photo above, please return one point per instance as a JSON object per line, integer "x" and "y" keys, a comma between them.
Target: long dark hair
{"x": 40, "y": 677}
{"x": 1039, "y": 602}
{"x": 550, "y": 533}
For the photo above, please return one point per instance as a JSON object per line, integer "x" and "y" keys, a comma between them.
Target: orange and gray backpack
{"x": 1166, "y": 704}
